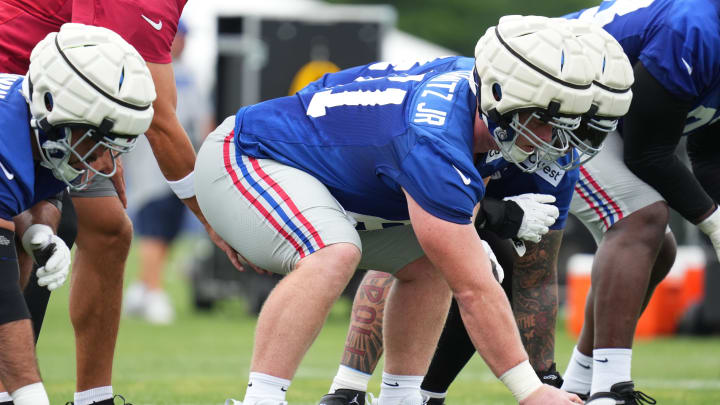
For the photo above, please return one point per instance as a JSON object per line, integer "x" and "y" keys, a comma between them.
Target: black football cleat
{"x": 343, "y": 397}
{"x": 551, "y": 377}
{"x": 109, "y": 401}
{"x": 622, "y": 393}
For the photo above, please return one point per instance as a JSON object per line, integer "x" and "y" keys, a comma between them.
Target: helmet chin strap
{"x": 519, "y": 154}
{"x": 508, "y": 148}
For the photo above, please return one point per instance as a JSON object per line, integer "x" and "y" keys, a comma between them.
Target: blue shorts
{"x": 161, "y": 218}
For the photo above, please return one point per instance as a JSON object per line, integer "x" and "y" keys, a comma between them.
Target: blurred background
{"x": 238, "y": 53}
{"x": 184, "y": 300}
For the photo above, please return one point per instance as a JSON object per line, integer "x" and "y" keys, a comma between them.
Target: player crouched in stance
{"x": 378, "y": 171}
{"x": 89, "y": 93}
{"x": 531, "y": 207}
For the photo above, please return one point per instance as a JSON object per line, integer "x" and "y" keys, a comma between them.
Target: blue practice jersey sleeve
{"x": 22, "y": 181}
{"x": 445, "y": 186}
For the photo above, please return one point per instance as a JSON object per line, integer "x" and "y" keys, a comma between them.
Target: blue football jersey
{"x": 22, "y": 182}
{"x": 370, "y": 131}
{"x": 677, "y": 41}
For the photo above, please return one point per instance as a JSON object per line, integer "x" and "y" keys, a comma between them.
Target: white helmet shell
{"x": 87, "y": 75}
{"x": 614, "y": 73}
{"x": 529, "y": 62}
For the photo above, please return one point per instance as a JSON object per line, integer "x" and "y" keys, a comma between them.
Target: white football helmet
{"x": 88, "y": 78}
{"x": 532, "y": 64}
{"x": 611, "y": 90}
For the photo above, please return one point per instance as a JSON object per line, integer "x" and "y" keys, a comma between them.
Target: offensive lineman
{"x": 530, "y": 280}
{"x": 379, "y": 153}
{"x": 87, "y": 92}
{"x": 623, "y": 195}
{"x": 104, "y": 230}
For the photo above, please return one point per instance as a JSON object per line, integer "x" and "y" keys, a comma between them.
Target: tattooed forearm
{"x": 364, "y": 342}
{"x": 535, "y": 298}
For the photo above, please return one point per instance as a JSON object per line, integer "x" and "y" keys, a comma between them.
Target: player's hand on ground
{"x": 539, "y": 214}
{"x": 50, "y": 253}
{"x": 548, "y": 395}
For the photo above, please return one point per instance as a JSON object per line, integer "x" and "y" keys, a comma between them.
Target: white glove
{"x": 48, "y": 251}
{"x": 711, "y": 227}
{"x": 498, "y": 271}
{"x": 538, "y": 215}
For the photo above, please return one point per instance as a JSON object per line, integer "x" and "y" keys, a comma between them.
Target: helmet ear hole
{"x": 497, "y": 91}
{"x": 48, "y": 98}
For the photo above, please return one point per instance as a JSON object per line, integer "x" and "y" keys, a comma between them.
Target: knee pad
{"x": 12, "y": 303}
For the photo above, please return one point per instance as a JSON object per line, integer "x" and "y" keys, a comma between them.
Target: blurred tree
{"x": 457, "y": 24}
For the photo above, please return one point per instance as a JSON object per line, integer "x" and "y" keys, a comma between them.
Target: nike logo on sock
{"x": 283, "y": 389}
{"x": 586, "y": 367}
{"x": 391, "y": 385}
{"x": 603, "y": 361}
{"x": 249, "y": 384}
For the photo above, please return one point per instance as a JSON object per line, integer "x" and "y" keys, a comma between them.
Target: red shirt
{"x": 148, "y": 25}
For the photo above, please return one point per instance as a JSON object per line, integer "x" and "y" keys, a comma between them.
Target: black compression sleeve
{"x": 12, "y": 305}
{"x": 651, "y": 132}
{"x": 704, "y": 152}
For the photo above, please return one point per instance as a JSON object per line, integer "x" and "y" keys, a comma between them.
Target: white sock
{"x": 429, "y": 394}
{"x": 5, "y": 396}
{"x": 350, "y": 379}
{"x": 395, "y": 388}
{"x": 611, "y": 366}
{"x": 33, "y": 394}
{"x": 96, "y": 394}
{"x": 579, "y": 374}
{"x": 263, "y": 386}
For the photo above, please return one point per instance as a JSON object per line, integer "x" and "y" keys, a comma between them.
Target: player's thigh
{"x": 607, "y": 191}
{"x": 101, "y": 216}
{"x": 389, "y": 249}
{"x": 272, "y": 214}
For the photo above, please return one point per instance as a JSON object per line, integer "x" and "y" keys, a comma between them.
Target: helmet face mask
{"x": 63, "y": 147}
{"x": 587, "y": 141}
{"x": 529, "y": 70}
{"x": 522, "y": 127}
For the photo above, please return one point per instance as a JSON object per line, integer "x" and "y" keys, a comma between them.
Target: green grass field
{"x": 203, "y": 359}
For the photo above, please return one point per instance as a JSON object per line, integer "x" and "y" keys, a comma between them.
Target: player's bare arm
{"x": 535, "y": 296}
{"x": 170, "y": 144}
{"x": 172, "y": 148}
{"x": 457, "y": 251}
